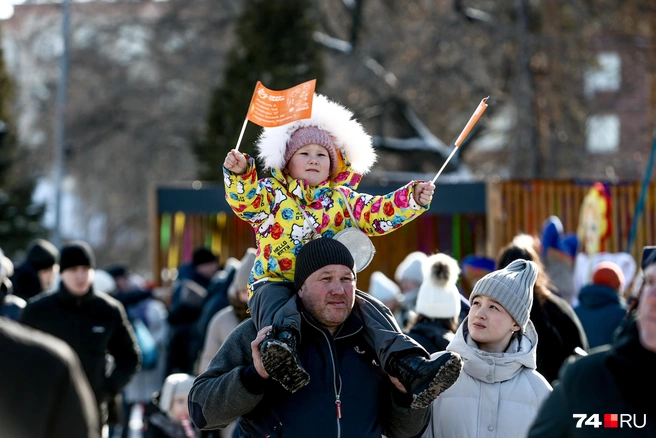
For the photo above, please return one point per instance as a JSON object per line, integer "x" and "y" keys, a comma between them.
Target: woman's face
{"x": 490, "y": 325}
{"x": 647, "y": 310}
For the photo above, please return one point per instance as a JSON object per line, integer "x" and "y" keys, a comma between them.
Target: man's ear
{"x": 301, "y": 290}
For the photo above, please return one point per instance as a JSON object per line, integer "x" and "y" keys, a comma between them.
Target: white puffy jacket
{"x": 496, "y": 395}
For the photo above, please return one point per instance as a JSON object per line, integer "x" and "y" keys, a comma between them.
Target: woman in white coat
{"x": 499, "y": 391}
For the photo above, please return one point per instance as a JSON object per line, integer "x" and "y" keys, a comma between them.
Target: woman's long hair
{"x": 521, "y": 248}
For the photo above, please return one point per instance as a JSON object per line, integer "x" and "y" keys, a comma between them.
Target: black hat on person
{"x": 203, "y": 255}
{"x": 42, "y": 254}
{"x": 117, "y": 271}
{"x": 318, "y": 253}
{"x": 76, "y": 253}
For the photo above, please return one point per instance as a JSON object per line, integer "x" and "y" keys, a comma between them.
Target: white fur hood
{"x": 351, "y": 140}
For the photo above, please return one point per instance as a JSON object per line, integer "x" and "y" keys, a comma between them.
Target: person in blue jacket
{"x": 601, "y": 307}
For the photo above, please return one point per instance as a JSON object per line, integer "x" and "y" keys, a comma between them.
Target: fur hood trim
{"x": 351, "y": 140}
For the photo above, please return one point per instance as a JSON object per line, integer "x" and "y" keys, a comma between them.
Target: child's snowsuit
{"x": 272, "y": 205}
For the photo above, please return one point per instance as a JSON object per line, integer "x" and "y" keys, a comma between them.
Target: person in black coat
{"x": 348, "y": 393}
{"x": 189, "y": 297}
{"x": 37, "y": 272}
{"x": 560, "y": 333}
{"x": 613, "y": 379}
{"x": 438, "y": 304}
{"x": 43, "y": 390}
{"x": 91, "y": 322}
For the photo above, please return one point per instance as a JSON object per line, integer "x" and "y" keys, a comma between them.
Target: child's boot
{"x": 281, "y": 361}
{"x": 425, "y": 378}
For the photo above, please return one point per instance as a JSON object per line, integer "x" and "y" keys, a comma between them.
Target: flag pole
{"x": 465, "y": 132}
{"x": 445, "y": 163}
{"x": 241, "y": 134}
{"x": 643, "y": 191}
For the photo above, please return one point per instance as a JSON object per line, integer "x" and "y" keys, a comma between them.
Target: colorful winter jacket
{"x": 271, "y": 206}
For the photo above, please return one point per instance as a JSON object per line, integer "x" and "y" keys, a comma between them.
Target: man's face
{"x": 78, "y": 279}
{"x": 208, "y": 269}
{"x": 47, "y": 276}
{"x": 328, "y": 294}
{"x": 123, "y": 283}
{"x": 647, "y": 309}
{"x": 242, "y": 295}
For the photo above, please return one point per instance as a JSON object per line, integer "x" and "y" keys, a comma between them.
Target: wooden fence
{"x": 522, "y": 206}
{"x": 510, "y": 207}
{"x": 179, "y": 233}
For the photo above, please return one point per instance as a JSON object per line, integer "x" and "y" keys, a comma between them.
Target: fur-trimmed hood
{"x": 351, "y": 140}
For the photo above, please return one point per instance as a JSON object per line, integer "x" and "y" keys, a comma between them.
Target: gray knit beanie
{"x": 512, "y": 287}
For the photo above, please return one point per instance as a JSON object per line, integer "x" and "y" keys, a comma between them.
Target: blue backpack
{"x": 147, "y": 343}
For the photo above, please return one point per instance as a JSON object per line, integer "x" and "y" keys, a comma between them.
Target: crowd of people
{"x": 283, "y": 342}
{"x": 89, "y": 331}
{"x": 123, "y": 353}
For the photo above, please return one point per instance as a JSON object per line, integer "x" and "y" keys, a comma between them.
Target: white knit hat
{"x": 411, "y": 268}
{"x": 175, "y": 385}
{"x": 382, "y": 287}
{"x": 512, "y": 287}
{"x": 103, "y": 281}
{"x": 438, "y": 295}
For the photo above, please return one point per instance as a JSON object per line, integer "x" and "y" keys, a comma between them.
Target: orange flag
{"x": 270, "y": 108}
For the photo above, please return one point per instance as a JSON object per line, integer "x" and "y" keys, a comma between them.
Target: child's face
{"x": 490, "y": 325}
{"x": 179, "y": 409}
{"x": 311, "y": 163}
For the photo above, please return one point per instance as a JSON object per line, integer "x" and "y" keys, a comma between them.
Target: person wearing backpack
{"x": 149, "y": 321}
